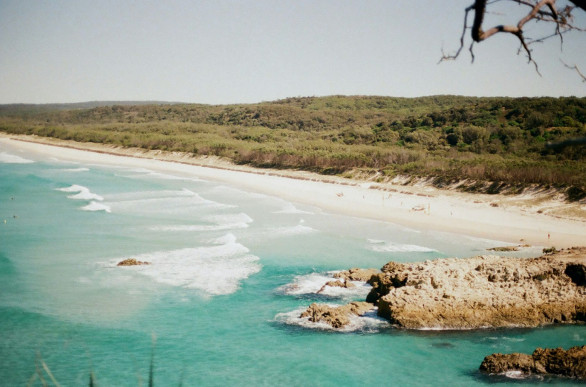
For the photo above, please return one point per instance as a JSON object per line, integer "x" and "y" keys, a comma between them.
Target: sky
{"x": 247, "y": 51}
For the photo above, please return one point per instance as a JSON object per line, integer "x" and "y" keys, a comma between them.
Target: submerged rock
{"x": 485, "y": 291}
{"x": 570, "y": 363}
{"x": 336, "y": 316}
{"x": 132, "y": 262}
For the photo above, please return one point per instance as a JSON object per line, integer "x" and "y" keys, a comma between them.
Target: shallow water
{"x": 220, "y": 302}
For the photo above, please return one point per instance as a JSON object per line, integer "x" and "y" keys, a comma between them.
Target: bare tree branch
{"x": 539, "y": 10}
{"x": 575, "y": 67}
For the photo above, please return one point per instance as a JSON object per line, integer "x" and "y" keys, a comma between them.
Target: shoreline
{"x": 534, "y": 219}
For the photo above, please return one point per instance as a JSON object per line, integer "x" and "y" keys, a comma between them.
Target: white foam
{"x": 181, "y": 202}
{"x": 95, "y": 206}
{"x": 222, "y": 223}
{"x": 294, "y": 230}
{"x": 73, "y": 188}
{"x": 314, "y": 283}
{"x": 515, "y": 374}
{"x": 214, "y": 270}
{"x": 390, "y": 247}
{"x": 83, "y": 193}
{"x": 143, "y": 172}
{"x": 289, "y": 208}
{"x": 8, "y": 158}
{"x": 368, "y": 323}
{"x": 74, "y": 170}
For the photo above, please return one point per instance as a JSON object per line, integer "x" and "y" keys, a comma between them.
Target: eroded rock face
{"x": 132, "y": 262}
{"x": 571, "y": 363}
{"x": 485, "y": 291}
{"x": 338, "y": 316}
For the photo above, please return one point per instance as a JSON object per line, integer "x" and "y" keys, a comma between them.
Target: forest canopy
{"x": 447, "y": 138}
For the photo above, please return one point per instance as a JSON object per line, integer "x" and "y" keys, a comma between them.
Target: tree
{"x": 548, "y": 11}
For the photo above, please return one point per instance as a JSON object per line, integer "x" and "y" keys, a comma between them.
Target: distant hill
{"x": 38, "y": 108}
{"x": 445, "y": 138}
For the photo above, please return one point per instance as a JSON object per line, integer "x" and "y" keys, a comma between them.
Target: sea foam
{"x": 83, "y": 193}
{"x": 217, "y": 269}
{"x": 391, "y": 247}
{"x": 293, "y": 230}
{"x": 95, "y": 206}
{"x": 314, "y": 284}
{"x": 171, "y": 202}
{"x": 8, "y": 158}
{"x": 218, "y": 223}
{"x": 289, "y": 208}
{"x": 368, "y": 323}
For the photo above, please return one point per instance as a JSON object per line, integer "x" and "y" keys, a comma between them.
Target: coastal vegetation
{"x": 494, "y": 144}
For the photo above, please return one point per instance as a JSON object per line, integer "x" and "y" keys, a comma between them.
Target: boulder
{"x": 356, "y": 274}
{"x": 336, "y": 316}
{"x": 570, "y": 363}
{"x": 132, "y": 262}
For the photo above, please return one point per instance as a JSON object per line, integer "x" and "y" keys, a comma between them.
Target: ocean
{"x": 230, "y": 272}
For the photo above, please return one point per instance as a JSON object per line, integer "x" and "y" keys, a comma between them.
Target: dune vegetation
{"x": 492, "y": 143}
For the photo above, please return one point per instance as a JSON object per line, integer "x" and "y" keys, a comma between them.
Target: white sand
{"x": 515, "y": 220}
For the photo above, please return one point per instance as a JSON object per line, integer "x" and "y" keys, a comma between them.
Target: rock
{"x": 504, "y": 248}
{"x": 338, "y": 316}
{"x": 570, "y": 363}
{"x": 356, "y": 274}
{"x": 482, "y": 292}
{"x": 393, "y": 276}
{"x": 132, "y": 262}
{"x": 337, "y": 284}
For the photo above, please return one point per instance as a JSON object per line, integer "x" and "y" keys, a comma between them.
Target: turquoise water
{"x": 220, "y": 303}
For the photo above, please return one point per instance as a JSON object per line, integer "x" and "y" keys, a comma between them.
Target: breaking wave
{"x": 315, "y": 284}
{"x": 8, "y": 158}
{"x": 390, "y": 247}
{"x": 214, "y": 270}
{"x": 95, "y": 206}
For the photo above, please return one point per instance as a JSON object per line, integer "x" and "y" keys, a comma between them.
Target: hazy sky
{"x": 219, "y": 51}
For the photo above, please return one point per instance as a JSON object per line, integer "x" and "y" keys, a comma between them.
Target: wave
{"x": 143, "y": 172}
{"x": 83, "y": 193}
{"x": 181, "y": 201}
{"x": 8, "y": 158}
{"x": 289, "y": 208}
{"x": 390, "y": 247}
{"x": 74, "y": 169}
{"x": 293, "y": 230}
{"x": 368, "y": 323}
{"x": 221, "y": 223}
{"x": 214, "y": 270}
{"x": 95, "y": 206}
{"x": 144, "y": 195}
{"x": 314, "y": 284}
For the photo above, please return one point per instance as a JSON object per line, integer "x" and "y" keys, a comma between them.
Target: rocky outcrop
{"x": 336, "y": 316}
{"x": 356, "y": 274}
{"x": 485, "y": 291}
{"x": 132, "y": 262}
{"x": 570, "y": 363}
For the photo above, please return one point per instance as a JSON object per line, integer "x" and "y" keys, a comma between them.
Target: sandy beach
{"x": 538, "y": 219}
